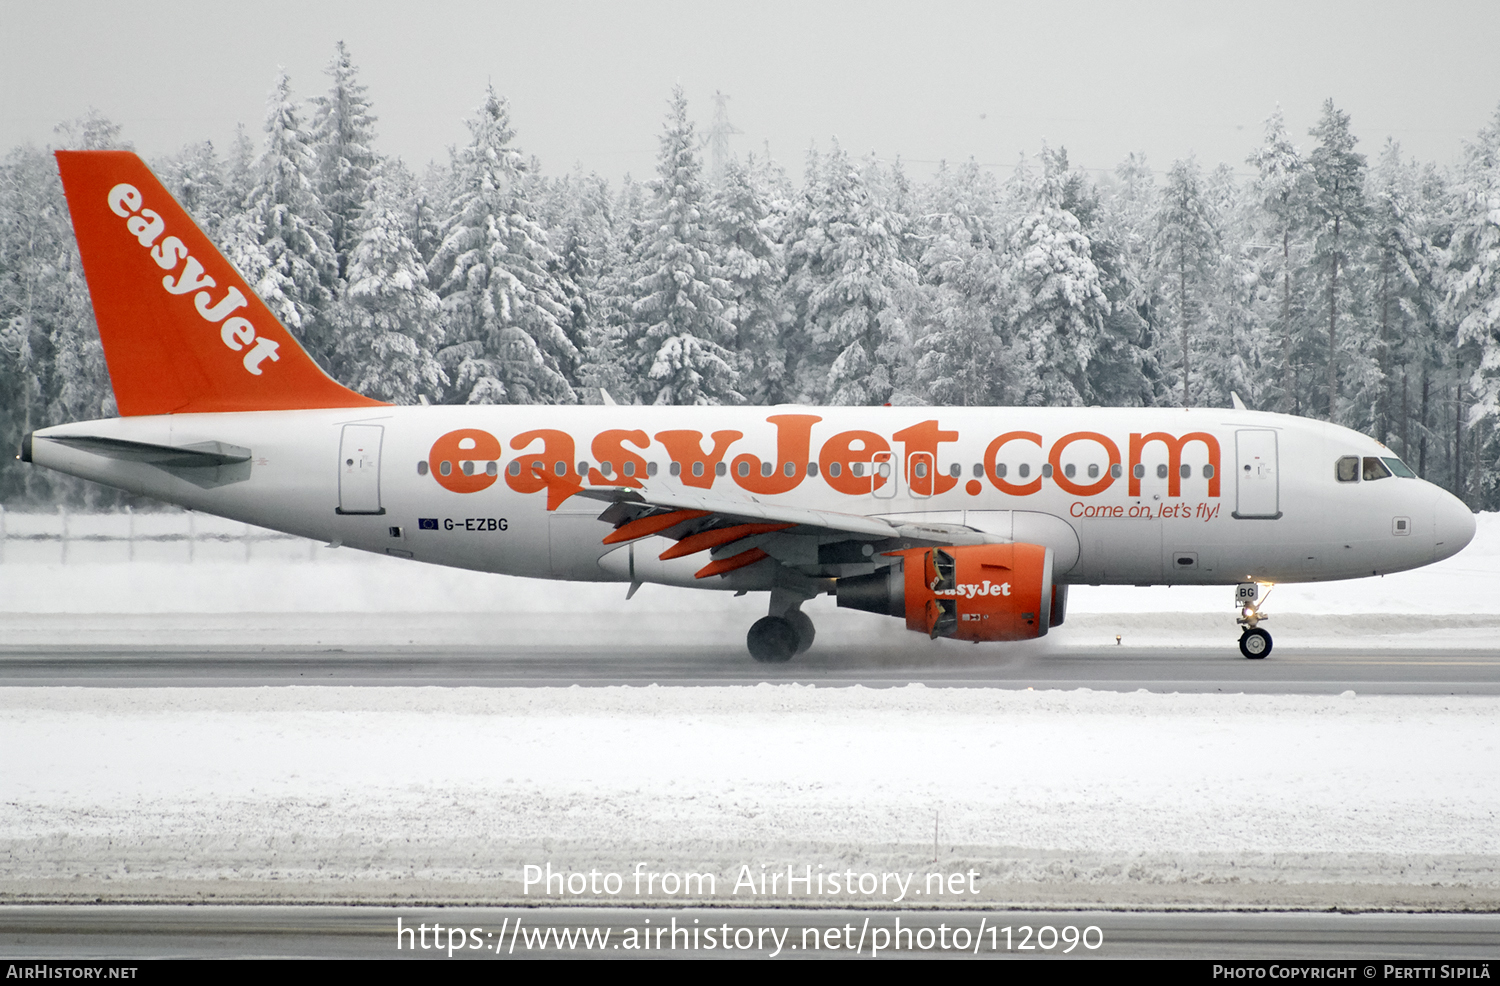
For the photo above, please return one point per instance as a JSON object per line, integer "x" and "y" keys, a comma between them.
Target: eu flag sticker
{"x": 427, "y": 523}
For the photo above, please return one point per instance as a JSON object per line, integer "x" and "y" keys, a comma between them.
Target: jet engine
{"x": 970, "y": 592}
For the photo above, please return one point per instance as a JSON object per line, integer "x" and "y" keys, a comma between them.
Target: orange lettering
{"x": 993, "y": 451}
{"x": 609, "y": 447}
{"x": 838, "y": 455}
{"x": 540, "y": 472}
{"x": 793, "y": 441}
{"x": 1174, "y": 446}
{"x": 451, "y": 451}
{"x": 686, "y": 449}
{"x": 1078, "y": 489}
{"x": 925, "y": 437}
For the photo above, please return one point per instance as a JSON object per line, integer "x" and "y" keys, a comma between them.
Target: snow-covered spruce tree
{"x": 960, "y": 353}
{"x": 1284, "y": 190}
{"x": 343, "y": 139}
{"x": 503, "y": 307}
{"x": 748, "y": 230}
{"x": 577, "y": 209}
{"x": 196, "y": 178}
{"x": 611, "y": 361}
{"x": 434, "y": 192}
{"x": 52, "y": 366}
{"x": 1404, "y": 270}
{"x": 1185, "y": 249}
{"x": 678, "y": 328}
{"x": 1126, "y": 369}
{"x": 845, "y": 275}
{"x": 1060, "y": 305}
{"x": 280, "y": 243}
{"x": 389, "y": 319}
{"x": 1338, "y": 216}
{"x": 1239, "y": 353}
{"x": 1474, "y": 284}
{"x": 239, "y": 170}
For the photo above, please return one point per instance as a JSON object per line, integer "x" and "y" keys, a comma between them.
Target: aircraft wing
{"x": 735, "y": 528}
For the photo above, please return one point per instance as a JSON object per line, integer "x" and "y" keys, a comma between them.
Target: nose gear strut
{"x": 1255, "y": 643}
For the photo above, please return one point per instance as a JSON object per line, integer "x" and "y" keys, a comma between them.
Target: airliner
{"x": 964, "y": 522}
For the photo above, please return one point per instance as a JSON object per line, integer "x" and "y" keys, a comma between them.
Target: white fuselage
{"x": 1270, "y": 509}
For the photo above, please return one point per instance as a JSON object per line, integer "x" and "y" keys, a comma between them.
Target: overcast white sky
{"x": 927, "y": 81}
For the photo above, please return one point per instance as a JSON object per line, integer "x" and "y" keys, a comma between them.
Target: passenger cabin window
{"x": 1375, "y": 469}
{"x": 1347, "y": 469}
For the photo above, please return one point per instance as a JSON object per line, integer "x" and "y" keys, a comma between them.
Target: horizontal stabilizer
{"x": 198, "y": 455}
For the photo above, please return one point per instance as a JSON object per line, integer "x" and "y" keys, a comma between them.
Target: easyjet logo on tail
{"x": 170, "y": 254}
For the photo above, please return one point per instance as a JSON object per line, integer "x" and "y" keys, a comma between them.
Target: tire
{"x": 802, "y": 625}
{"x": 1255, "y": 644}
{"x": 772, "y": 640}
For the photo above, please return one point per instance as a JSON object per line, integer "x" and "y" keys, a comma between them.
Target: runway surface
{"x": 155, "y": 931}
{"x": 1431, "y": 671}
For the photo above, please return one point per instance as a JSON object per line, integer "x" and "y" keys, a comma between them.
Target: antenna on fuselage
{"x": 1239, "y": 405}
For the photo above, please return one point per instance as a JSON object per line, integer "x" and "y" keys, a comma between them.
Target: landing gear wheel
{"x": 772, "y": 640}
{"x": 803, "y": 625}
{"x": 1255, "y": 644}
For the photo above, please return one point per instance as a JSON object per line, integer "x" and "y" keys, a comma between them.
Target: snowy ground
{"x": 447, "y": 794}
{"x": 386, "y": 794}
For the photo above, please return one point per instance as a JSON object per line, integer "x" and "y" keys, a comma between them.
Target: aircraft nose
{"x": 1452, "y": 525}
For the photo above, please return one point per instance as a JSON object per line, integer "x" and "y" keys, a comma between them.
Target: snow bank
{"x": 377, "y": 793}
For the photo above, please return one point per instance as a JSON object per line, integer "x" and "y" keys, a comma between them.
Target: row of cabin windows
{"x": 1348, "y": 469}
{"x": 1351, "y": 468}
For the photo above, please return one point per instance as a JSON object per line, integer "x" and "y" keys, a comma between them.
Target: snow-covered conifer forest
{"x": 1314, "y": 276}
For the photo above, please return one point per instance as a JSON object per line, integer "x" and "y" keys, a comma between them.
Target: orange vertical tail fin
{"x": 182, "y": 331}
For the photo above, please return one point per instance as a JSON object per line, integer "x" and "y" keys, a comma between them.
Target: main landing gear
{"x": 1255, "y": 643}
{"x": 781, "y": 636}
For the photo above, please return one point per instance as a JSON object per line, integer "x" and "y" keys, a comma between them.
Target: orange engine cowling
{"x": 974, "y": 592}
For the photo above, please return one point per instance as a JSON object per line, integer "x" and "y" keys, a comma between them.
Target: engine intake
{"x": 973, "y": 592}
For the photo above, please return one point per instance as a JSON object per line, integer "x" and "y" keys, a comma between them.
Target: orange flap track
{"x": 646, "y": 526}
{"x": 182, "y": 330}
{"x": 695, "y": 543}
{"x": 724, "y": 565}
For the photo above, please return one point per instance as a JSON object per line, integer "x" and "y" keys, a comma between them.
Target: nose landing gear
{"x": 1255, "y": 643}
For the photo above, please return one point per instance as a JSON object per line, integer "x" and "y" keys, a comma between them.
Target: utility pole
{"x": 718, "y": 136}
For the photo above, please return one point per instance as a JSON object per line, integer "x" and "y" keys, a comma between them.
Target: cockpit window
{"x": 1398, "y": 467}
{"x": 1375, "y": 469}
{"x": 1347, "y": 469}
